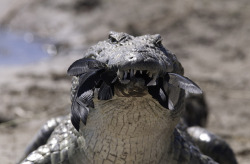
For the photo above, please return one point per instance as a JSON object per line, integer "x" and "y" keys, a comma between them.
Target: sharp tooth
{"x": 141, "y": 71}
{"x": 121, "y": 73}
{"x": 153, "y": 81}
{"x": 150, "y": 74}
{"x": 126, "y": 74}
{"x": 134, "y": 71}
{"x": 131, "y": 73}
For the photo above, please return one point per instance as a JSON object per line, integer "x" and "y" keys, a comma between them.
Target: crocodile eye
{"x": 112, "y": 39}
{"x": 115, "y": 37}
{"x": 158, "y": 43}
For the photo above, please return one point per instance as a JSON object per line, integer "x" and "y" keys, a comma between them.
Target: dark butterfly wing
{"x": 184, "y": 83}
{"x": 109, "y": 77}
{"x": 75, "y": 115}
{"x": 106, "y": 92}
{"x": 79, "y": 113}
{"x": 84, "y": 65}
{"x": 172, "y": 92}
{"x": 83, "y": 98}
{"x": 86, "y": 99}
{"x": 80, "y": 108}
{"x": 89, "y": 80}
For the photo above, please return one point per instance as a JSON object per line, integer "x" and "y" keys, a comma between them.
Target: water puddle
{"x": 21, "y": 49}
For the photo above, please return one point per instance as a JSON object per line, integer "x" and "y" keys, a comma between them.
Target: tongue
{"x": 125, "y": 81}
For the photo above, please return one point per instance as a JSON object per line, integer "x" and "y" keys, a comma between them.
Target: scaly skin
{"x": 126, "y": 103}
{"x": 120, "y": 135}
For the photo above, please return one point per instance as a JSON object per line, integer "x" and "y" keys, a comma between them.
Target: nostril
{"x": 131, "y": 57}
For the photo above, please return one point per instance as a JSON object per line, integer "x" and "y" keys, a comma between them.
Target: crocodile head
{"x": 126, "y": 66}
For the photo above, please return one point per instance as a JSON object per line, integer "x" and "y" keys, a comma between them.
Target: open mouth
{"x": 95, "y": 75}
{"x": 130, "y": 75}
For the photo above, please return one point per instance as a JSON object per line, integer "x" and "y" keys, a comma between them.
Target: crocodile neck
{"x": 131, "y": 129}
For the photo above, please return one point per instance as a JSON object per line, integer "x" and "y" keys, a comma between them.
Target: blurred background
{"x": 39, "y": 39}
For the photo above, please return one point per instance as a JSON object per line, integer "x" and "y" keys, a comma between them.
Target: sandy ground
{"x": 210, "y": 38}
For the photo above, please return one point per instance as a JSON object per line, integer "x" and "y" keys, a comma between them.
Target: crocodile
{"x": 128, "y": 97}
